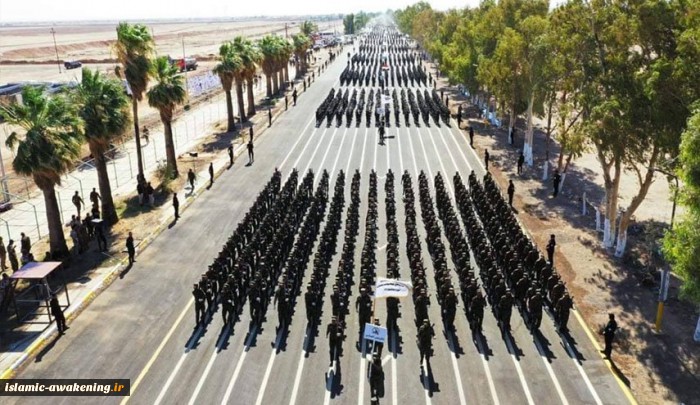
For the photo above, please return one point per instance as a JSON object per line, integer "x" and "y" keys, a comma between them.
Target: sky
{"x": 12, "y": 11}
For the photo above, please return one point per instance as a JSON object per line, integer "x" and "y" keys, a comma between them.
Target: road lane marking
{"x": 487, "y": 369}
{"x": 306, "y": 145}
{"x": 270, "y": 362}
{"x": 239, "y": 365}
{"x": 446, "y": 176}
{"x": 155, "y": 355}
{"x": 459, "y": 147}
{"x": 455, "y": 368}
{"x": 394, "y": 377}
{"x": 296, "y": 143}
{"x": 553, "y": 376}
{"x": 413, "y": 154}
{"x": 300, "y": 367}
{"x": 523, "y": 382}
{"x": 364, "y": 145}
{"x": 363, "y": 374}
{"x": 581, "y": 371}
{"x": 352, "y": 149}
{"x": 171, "y": 378}
{"x": 400, "y": 153}
{"x": 427, "y": 163}
{"x": 203, "y": 378}
{"x": 324, "y": 135}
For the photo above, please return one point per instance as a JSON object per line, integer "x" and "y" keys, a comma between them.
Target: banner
{"x": 387, "y": 287}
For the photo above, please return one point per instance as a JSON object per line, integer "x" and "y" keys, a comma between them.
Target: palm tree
{"x": 308, "y": 28}
{"x": 286, "y": 52}
{"x": 104, "y": 110}
{"x": 250, "y": 57}
{"x": 165, "y": 95}
{"x": 302, "y": 43}
{"x": 47, "y": 149}
{"x": 134, "y": 48}
{"x": 269, "y": 49}
{"x": 229, "y": 64}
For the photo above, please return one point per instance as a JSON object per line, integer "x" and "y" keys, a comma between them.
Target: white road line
{"x": 581, "y": 371}
{"x": 203, "y": 378}
{"x": 158, "y": 350}
{"x": 352, "y": 149}
{"x": 329, "y": 383}
{"x": 337, "y": 156}
{"x": 374, "y": 158}
{"x": 400, "y": 153}
{"x": 296, "y": 143}
{"x": 427, "y": 163}
{"x": 459, "y": 147}
{"x": 239, "y": 365}
{"x": 553, "y": 376}
{"x": 171, "y": 378}
{"x": 270, "y": 362}
{"x": 445, "y": 176}
{"x": 413, "y": 154}
{"x": 388, "y": 157}
{"x": 308, "y": 141}
{"x": 426, "y": 382}
{"x": 364, "y": 144}
{"x": 325, "y": 155}
{"x": 449, "y": 152}
{"x": 455, "y": 367}
{"x": 394, "y": 377}
{"x": 363, "y": 375}
{"x": 300, "y": 367}
{"x": 489, "y": 377}
{"x": 523, "y": 382}
{"x": 308, "y": 164}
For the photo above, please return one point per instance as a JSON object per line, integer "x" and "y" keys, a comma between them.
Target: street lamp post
{"x": 58, "y": 62}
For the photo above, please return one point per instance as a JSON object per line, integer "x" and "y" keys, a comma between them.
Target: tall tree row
{"x": 616, "y": 78}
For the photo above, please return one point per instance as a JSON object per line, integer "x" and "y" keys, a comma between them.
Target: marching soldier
{"x": 334, "y": 333}
{"x": 199, "y": 306}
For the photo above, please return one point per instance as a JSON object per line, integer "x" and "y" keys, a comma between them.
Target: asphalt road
{"x": 142, "y": 327}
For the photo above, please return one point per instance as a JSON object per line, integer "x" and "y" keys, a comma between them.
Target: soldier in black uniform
{"x": 228, "y": 311}
{"x": 476, "y": 311}
{"x": 334, "y": 333}
{"x": 425, "y": 337}
{"x": 534, "y": 308}
{"x": 562, "y": 310}
{"x": 363, "y": 304}
{"x": 294, "y": 96}
{"x": 511, "y": 192}
{"x": 471, "y": 136}
{"x": 199, "y": 306}
{"x": 449, "y": 309}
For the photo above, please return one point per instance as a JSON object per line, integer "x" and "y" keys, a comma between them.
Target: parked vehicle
{"x": 72, "y": 64}
{"x": 185, "y": 64}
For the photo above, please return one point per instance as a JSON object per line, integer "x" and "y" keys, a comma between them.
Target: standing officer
{"x": 269, "y": 117}
{"x": 471, "y": 136}
{"x": 176, "y": 206}
{"x": 425, "y": 337}
{"x": 521, "y": 160}
{"x": 294, "y": 96}
{"x": 556, "y": 179}
{"x": 191, "y": 177}
{"x": 486, "y": 159}
{"x": 95, "y": 197}
{"x": 334, "y": 334}
{"x": 230, "y": 155}
{"x": 199, "y": 307}
{"x": 211, "y": 174}
{"x": 130, "y": 248}
{"x": 57, "y": 313}
{"x": 251, "y": 155}
{"x": 3, "y": 256}
{"x": 609, "y": 335}
{"x": 511, "y": 191}
{"x": 78, "y": 202}
{"x": 363, "y": 305}
{"x": 550, "y": 249}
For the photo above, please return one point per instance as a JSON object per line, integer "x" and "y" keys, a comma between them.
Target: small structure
{"x": 39, "y": 291}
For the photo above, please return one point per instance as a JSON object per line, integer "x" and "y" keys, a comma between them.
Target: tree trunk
{"x": 511, "y": 124}
{"x": 171, "y": 158}
{"x": 280, "y": 79}
{"x": 268, "y": 82}
{"x": 529, "y": 134}
{"x": 229, "y": 112}
{"x": 109, "y": 213}
{"x": 251, "y": 97}
{"x": 286, "y": 73}
{"x": 239, "y": 100}
{"x": 137, "y": 137}
{"x": 635, "y": 203}
{"x": 548, "y": 139}
{"x": 275, "y": 84}
{"x": 57, "y": 241}
{"x": 612, "y": 191}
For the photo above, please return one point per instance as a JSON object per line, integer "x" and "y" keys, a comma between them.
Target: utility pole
{"x": 184, "y": 64}
{"x": 286, "y": 34}
{"x": 58, "y": 62}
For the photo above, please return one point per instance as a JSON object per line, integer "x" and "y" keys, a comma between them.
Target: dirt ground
{"x": 658, "y": 368}
{"x": 27, "y": 54}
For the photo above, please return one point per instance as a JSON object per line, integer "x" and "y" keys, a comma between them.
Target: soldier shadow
{"x": 334, "y": 381}
{"x": 224, "y": 336}
{"x": 566, "y": 337}
{"x": 47, "y": 349}
{"x": 453, "y": 343}
{"x": 283, "y": 334}
{"x": 251, "y": 337}
{"x": 516, "y": 350}
{"x": 538, "y": 336}
{"x": 428, "y": 379}
{"x": 310, "y": 343}
{"x": 619, "y": 373}
{"x": 484, "y": 348}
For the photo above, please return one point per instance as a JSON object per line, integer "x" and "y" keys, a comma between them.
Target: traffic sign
{"x": 375, "y": 333}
